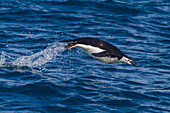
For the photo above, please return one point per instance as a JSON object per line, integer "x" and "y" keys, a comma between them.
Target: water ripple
{"x": 38, "y": 74}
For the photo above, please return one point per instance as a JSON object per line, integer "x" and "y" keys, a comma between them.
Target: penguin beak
{"x": 133, "y": 63}
{"x": 128, "y": 60}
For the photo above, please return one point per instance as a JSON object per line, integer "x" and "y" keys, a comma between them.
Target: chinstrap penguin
{"x": 100, "y": 50}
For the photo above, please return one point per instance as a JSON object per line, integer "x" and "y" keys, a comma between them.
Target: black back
{"x": 101, "y": 44}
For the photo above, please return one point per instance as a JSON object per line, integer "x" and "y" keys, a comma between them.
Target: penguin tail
{"x": 71, "y": 45}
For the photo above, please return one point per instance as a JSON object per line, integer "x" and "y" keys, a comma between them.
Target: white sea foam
{"x": 40, "y": 58}
{"x": 2, "y": 58}
{"x": 34, "y": 62}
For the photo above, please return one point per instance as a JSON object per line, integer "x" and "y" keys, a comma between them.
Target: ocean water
{"x": 37, "y": 73}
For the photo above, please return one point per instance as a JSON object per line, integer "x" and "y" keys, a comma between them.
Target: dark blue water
{"x": 38, "y": 74}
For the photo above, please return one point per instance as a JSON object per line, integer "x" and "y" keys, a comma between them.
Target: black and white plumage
{"x": 100, "y": 50}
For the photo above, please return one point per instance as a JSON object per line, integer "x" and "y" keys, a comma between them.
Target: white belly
{"x": 90, "y": 49}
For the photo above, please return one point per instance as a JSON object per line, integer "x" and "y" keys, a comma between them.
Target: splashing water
{"x": 40, "y": 58}
{"x": 33, "y": 61}
{"x": 2, "y": 58}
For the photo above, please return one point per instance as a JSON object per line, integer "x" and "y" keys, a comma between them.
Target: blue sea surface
{"x": 38, "y": 74}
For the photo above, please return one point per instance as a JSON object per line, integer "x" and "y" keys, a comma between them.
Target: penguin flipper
{"x": 105, "y": 54}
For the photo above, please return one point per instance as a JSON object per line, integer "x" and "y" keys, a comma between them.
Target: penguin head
{"x": 126, "y": 59}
